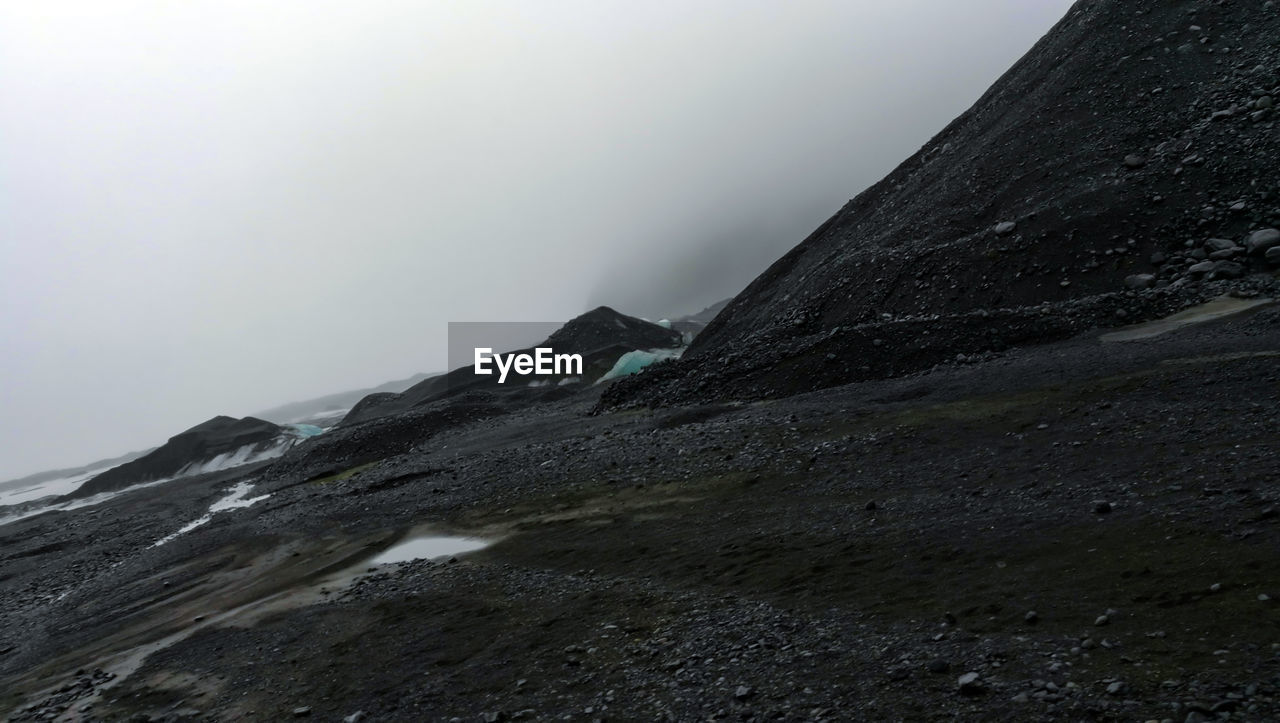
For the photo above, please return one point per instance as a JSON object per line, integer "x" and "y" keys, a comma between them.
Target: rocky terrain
{"x": 1076, "y": 530}
{"x": 1134, "y": 147}
{"x": 601, "y": 336}
{"x": 997, "y": 442}
{"x": 217, "y": 437}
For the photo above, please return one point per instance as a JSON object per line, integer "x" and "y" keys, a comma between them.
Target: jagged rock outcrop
{"x": 1127, "y": 141}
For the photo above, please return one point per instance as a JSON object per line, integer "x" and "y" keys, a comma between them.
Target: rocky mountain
{"x": 1084, "y": 527}
{"x": 1126, "y": 160}
{"x": 333, "y": 406}
{"x": 217, "y": 443}
{"x": 601, "y": 336}
{"x": 39, "y": 478}
{"x": 706, "y": 315}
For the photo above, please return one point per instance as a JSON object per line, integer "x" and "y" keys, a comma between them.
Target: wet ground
{"x": 1090, "y": 528}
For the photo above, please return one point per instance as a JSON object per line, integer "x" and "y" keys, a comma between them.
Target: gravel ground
{"x": 1076, "y": 530}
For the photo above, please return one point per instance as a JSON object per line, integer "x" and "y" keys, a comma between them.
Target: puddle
{"x": 1219, "y": 308}
{"x": 236, "y": 498}
{"x": 424, "y": 548}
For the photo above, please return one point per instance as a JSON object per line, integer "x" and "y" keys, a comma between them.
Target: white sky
{"x": 217, "y": 207}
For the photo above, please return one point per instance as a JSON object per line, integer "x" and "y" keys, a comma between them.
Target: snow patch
{"x": 236, "y": 498}
{"x": 77, "y": 504}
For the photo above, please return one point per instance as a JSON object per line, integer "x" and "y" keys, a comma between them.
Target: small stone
{"x": 1031, "y": 617}
{"x": 1004, "y": 228}
{"x": 1021, "y": 698}
{"x": 743, "y": 692}
{"x": 871, "y": 506}
{"x": 355, "y": 717}
{"x": 1263, "y": 597}
{"x": 968, "y": 684}
{"x": 1133, "y": 160}
{"x": 1219, "y": 244}
{"x": 1102, "y": 620}
{"x": 1215, "y": 587}
{"x": 1115, "y": 688}
{"x": 1203, "y": 267}
{"x": 302, "y": 712}
{"x": 1140, "y": 281}
{"x": 939, "y": 666}
{"x": 1273, "y": 255}
{"x": 1101, "y": 507}
{"x": 1263, "y": 103}
{"x": 1227, "y": 270}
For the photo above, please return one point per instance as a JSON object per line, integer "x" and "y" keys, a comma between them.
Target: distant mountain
{"x": 601, "y": 336}
{"x": 691, "y": 325}
{"x": 216, "y": 444}
{"x": 41, "y": 477}
{"x": 333, "y": 406}
{"x": 706, "y": 315}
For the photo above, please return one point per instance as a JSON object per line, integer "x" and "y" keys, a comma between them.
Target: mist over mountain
{"x": 247, "y": 207}
{"x": 996, "y": 440}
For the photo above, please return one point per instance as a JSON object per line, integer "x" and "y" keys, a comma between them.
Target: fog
{"x": 217, "y": 207}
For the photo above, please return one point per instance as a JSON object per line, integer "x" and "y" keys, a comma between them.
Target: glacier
{"x": 633, "y": 361}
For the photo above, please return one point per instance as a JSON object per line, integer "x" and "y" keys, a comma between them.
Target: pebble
{"x": 302, "y": 712}
{"x": 1140, "y": 281}
{"x": 1101, "y": 507}
{"x": 939, "y": 666}
{"x": 968, "y": 684}
{"x": 1102, "y": 620}
{"x": 1133, "y": 160}
{"x": 1004, "y": 228}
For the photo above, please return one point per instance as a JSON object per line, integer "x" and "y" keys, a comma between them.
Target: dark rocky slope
{"x": 202, "y": 442}
{"x": 600, "y": 336}
{"x": 1132, "y": 149}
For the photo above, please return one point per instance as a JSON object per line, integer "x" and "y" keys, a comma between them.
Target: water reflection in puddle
{"x": 420, "y": 548}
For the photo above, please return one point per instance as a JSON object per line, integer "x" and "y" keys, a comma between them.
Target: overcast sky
{"x": 216, "y": 206}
